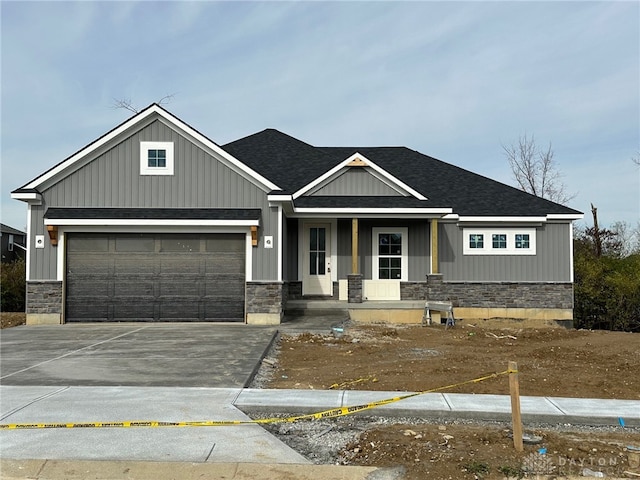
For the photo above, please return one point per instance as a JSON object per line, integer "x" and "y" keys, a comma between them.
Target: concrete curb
{"x": 124, "y": 470}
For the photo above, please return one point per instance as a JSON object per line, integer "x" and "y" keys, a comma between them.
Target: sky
{"x": 453, "y": 80}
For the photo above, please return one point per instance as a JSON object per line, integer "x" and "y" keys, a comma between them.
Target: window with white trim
{"x": 499, "y": 241}
{"x": 156, "y": 158}
{"x": 476, "y": 240}
{"x": 390, "y": 254}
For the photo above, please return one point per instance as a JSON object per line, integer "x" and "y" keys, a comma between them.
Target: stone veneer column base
{"x": 265, "y": 302}
{"x": 354, "y": 288}
{"x": 44, "y": 302}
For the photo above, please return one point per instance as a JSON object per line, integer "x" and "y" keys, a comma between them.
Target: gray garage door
{"x": 155, "y": 277}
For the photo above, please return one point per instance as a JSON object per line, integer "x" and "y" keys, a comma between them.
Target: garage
{"x": 155, "y": 277}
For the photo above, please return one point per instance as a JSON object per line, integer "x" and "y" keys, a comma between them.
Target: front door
{"x": 317, "y": 260}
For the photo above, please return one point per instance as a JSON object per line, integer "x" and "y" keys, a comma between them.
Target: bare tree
{"x": 126, "y": 104}
{"x": 535, "y": 170}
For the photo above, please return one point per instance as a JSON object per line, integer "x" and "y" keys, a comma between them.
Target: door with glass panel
{"x": 317, "y": 260}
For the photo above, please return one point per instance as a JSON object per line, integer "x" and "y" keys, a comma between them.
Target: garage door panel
{"x": 172, "y": 264}
{"x": 125, "y": 310}
{"x": 134, "y": 264}
{"x": 95, "y": 286}
{"x": 95, "y": 309}
{"x": 225, "y": 264}
{"x": 90, "y": 264}
{"x": 155, "y": 277}
{"x": 138, "y": 286}
{"x": 179, "y": 308}
{"x": 213, "y": 309}
{"x": 223, "y": 285}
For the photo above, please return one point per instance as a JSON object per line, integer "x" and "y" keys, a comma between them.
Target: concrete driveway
{"x": 177, "y": 355}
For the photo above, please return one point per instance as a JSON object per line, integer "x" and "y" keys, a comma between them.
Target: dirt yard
{"x": 551, "y": 361}
{"x": 12, "y": 319}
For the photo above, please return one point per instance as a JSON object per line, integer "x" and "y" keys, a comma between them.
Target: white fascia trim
{"x": 248, "y": 266}
{"x": 382, "y": 211}
{"x": 154, "y": 109}
{"x": 565, "y": 216}
{"x": 28, "y": 242}
{"x": 31, "y": 197}
{"x": 571, "y": 267}
{"x": 61, "y": 255}
{"x": 375, "y": 167}
{"x": 502, "y": 219}
{"x": 279, "y": 198}
{"x": 151, "y": 222}
{"x": 280, "y": 241}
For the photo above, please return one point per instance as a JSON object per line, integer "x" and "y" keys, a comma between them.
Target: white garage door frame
{"x": 155, "y": 229}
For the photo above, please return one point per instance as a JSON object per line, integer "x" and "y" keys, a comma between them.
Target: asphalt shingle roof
{"x": 291, "y": 164}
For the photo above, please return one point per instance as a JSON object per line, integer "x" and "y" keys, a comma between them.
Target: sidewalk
{"x": 125, "y": 470}
{"x": 230, "y": 452}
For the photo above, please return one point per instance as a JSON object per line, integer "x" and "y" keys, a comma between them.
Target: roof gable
{"x": 139, "y": 120}
{"x": 359, "y": 161}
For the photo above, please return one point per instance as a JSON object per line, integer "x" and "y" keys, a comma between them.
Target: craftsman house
{"x": 154, "y": 221}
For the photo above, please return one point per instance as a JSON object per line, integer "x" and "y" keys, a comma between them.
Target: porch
{"x": 393, "y": 311}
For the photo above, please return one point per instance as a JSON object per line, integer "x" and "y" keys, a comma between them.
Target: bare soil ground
{"x": 551, "y": 362}
{"x": 12, "y": 319}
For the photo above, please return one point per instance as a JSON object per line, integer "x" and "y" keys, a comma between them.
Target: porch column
{"x": 434, "y": 246}
{"x": 354, "y": 281}
{"x": 354, "y": 246}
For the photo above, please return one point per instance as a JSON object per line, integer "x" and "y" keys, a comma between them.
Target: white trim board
{"x": 150, "y": 222}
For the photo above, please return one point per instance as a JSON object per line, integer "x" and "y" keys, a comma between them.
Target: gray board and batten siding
{"x": 111, "y": 178}
{"x": 550, "y": 264}
{"x": 355, "y": 181}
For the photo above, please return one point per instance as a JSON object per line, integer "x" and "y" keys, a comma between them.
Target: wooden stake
{"x": 516, "y": 417}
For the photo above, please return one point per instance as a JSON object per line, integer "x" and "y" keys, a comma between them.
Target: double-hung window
{"x": 156, "y": 158}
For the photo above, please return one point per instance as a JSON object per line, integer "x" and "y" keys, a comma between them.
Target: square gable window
{"x": 156, "y": 158}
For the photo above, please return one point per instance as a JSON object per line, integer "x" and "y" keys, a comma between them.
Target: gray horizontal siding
{"x": 200, "y": 180}
{"x": 550, "y": 264}
{"x": 356, "y": 181}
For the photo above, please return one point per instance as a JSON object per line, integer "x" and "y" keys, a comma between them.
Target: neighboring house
{"x": 155, "y": 222}
{"x": 13, "y": 243}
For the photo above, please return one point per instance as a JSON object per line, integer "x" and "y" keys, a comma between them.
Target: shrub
{"x": 12, "y": 286}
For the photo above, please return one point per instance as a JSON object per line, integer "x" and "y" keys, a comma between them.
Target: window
{"x": 504, "y": 241}
{"x": 476, "y": 240}
{"x": 522, "y": 240}
{"x": 156, "y": 158}
{"x": 499, "y": 240}
{"x": 317, "y": 251}
{"x": 390, "y": 255}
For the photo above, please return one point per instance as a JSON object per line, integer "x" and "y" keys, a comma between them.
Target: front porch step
{"x": 340, "y": 307}
{"x": 316, "y": 308}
